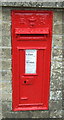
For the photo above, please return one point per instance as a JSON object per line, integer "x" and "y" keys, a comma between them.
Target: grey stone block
{"x": 6, "y": 53}
{"x": 0, "y": 92}
{"x": 6, "y": 65}
{"x": 57, "y": 17}
{"x": 63, "y": 42}
{"x": 0, "y": 65}
{"x": 27, "y": 114}
{"x": 55, "y": 105}
{"x": 10, "y": 115}
{"x": 0, "y": 34}
{"x": 6, "y": 41}
{"x": 56, "y": 68}
{"x": 34, "y": 3}
{"x": 6, "y": 87}
{"x": 63, "y": 104}
{"x": 47, "y": 3}
{"x": 56, "y": 114}
{"x": 57, "y": 41}
{"x": 57, "y": 52}
{"x": 6, "y": 106}
{"x": 56, "y": 83}
{"x": 63, "y": 94}
{"x": 0, "y": 107}
{"x": 40, "y": 114}
{"x": 57, "y": 58}
{"x": 62, "y": 113}
{"x": 63, "y": 4}
{"x": 63, "y": 53}
{"x": 6, "y": 97}
{"x": 0, "y": 39}
{"x": 63, "y": 28}
{"x": 20, "y": 1}
{"x": 57, "y": 29}
{"x": 56, "y": 75}
{"x": 63, "y": 82}
{"x": 56, "y": 95}
{"x": 56, "y": 65}
{"x": 6, "y": 29}
{"x": 6, "y": 76}
{"x": 57, "y": 23}
{"x": 6, "y": 15}
{"x": 16, "y": 114}
{"x": 0, "y": 116}
{"x": 63, "y": 65}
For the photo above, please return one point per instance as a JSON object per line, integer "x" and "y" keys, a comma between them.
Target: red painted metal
{"x": 31, "y": 30}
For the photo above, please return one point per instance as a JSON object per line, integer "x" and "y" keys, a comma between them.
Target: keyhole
{"x": 24, "y": 81}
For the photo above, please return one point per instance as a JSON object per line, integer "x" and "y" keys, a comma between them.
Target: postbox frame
{"x": 15, "y": 86}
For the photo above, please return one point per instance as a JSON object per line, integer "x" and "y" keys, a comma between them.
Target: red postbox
{"x": 31, "y": 58}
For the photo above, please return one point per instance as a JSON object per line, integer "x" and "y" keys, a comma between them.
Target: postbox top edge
{"x": 32, "y": 11}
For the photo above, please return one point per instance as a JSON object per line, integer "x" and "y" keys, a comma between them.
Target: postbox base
{"x": 28, "y": 109}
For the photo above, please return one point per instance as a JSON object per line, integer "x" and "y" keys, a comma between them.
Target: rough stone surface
{"x": 6, "y": 87}
{"x": 6, "y": 76}
{"x": 6, "y": 53}
{"x": 0, "y": 63}
{"x": 6, "y": 97}
{"x": 56, "y": 95}
{"x": 57, "y": 41}
{"x": 55, "y": 102}
{"x": 6, "y": 41}
{"x": 57, "y": 21}
{"x": 40, "y": 114}
{"x": 55, "y": 105}
{"x": 56, "y": 114}
{"x": 63, "y": 104}
{"x": 63, "y": 63}
{"x": 7, "y": 27}
{"x": 34, "y": 3}
{"x": 63, "y": 114}
{"x": 6, "y": 65}
{"x": 31, "y": 0}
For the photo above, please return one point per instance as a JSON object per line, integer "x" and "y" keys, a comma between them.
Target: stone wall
{"x": 63, "y": 63}
{"x": 0, "y": 62}
{"x": 31, "y": 0}
{"x": 56, "y": 83}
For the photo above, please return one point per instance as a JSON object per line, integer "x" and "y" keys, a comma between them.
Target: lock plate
{"x": 27, "y": 81}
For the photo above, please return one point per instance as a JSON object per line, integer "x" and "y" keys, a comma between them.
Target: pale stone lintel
{"x": 37, "y": 4}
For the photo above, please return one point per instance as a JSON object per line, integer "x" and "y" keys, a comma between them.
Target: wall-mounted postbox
{"x": 31, "y": 56}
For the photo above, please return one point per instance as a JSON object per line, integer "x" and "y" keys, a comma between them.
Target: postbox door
{"x": 31, "y": 76}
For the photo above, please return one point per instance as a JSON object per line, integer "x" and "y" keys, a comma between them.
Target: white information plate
{"x": 30, "y": 61}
